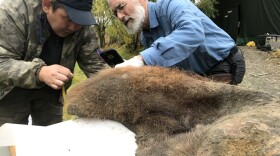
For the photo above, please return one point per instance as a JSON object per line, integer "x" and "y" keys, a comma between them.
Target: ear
{"x": 46, "y": 5}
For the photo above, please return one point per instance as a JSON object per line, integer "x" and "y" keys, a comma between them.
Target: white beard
{"x": 136, "y": 20}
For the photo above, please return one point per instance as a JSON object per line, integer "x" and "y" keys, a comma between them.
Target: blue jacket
{"x": 182, "y": 35}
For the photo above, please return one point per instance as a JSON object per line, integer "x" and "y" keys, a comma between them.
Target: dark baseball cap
{"x": 79, "y": 11}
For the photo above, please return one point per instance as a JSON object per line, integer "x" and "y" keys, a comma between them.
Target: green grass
{"x": 79, "y": 76}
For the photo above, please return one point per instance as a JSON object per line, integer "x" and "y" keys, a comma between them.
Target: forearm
{"x": 19, "y": 73}
{"x": 90, "y": 63}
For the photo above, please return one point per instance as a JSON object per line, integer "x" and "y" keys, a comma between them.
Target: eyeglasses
{"x": 119, "y": 9}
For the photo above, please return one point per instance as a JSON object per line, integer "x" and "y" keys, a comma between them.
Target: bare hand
{"x": 55, "y": 75}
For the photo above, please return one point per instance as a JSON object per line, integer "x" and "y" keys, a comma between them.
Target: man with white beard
{"x": 175, "y": 33}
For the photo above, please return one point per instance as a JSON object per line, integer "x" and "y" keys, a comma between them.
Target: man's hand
{"x": 54, "y": 76}
{"x": 136, "y": 61}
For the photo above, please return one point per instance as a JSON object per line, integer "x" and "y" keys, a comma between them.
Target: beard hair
{"x": 138, "y": 19}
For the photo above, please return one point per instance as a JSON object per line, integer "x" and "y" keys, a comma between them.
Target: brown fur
{"x": 162, "y": 104}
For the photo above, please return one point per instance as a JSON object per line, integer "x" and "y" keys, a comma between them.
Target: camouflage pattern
{"x": 21, "y": 40}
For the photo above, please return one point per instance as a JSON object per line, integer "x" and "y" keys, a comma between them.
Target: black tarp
{"x": 256, "y": 17}
{"x": 259, "y": 17}
{"x": 228, "y": 16}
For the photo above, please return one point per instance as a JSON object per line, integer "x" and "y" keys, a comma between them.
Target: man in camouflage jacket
{"x": 41, "y": 40}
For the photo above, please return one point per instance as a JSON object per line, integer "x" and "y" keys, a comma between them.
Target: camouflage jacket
{"x": 22, "y": 35}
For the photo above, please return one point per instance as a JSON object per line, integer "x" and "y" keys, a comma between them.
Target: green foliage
{"x": 102, "y": 16}
{"x": 117, "y": 32}
{"x": 207, "y": 6}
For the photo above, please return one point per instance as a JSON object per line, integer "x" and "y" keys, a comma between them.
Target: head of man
{"x": 132, "y": 13}
{"x": 68, "y": 16}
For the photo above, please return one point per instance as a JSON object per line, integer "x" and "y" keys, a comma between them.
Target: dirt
{"x": 262, "y": 70}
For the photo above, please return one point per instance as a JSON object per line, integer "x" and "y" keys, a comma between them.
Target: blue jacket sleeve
{"x": 187, "y": 34}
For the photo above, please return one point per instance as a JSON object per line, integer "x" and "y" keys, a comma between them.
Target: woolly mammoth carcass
{"x": 177, "y": 113}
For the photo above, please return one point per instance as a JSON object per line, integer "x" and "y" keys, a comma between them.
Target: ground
{"x": 262, "y": 70}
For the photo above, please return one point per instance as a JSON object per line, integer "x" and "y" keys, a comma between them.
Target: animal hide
{"x": 177, "y": 113}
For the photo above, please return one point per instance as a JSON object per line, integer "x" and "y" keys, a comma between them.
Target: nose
{"x": 74, "y": 27}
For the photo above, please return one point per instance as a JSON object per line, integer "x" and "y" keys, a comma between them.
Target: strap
{"x": 233, "y": 66}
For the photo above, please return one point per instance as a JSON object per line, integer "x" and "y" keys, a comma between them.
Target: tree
{"x": 206, "y": 6}
{"x": 102, "y": 15}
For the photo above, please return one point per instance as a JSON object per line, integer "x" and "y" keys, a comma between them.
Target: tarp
{"x": 248, "y": 18}
{"x": 228, "y": 16}
{"x": 258, "y": 17}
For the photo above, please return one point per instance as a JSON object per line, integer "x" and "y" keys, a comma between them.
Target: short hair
{"x": 56, "y": 4}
